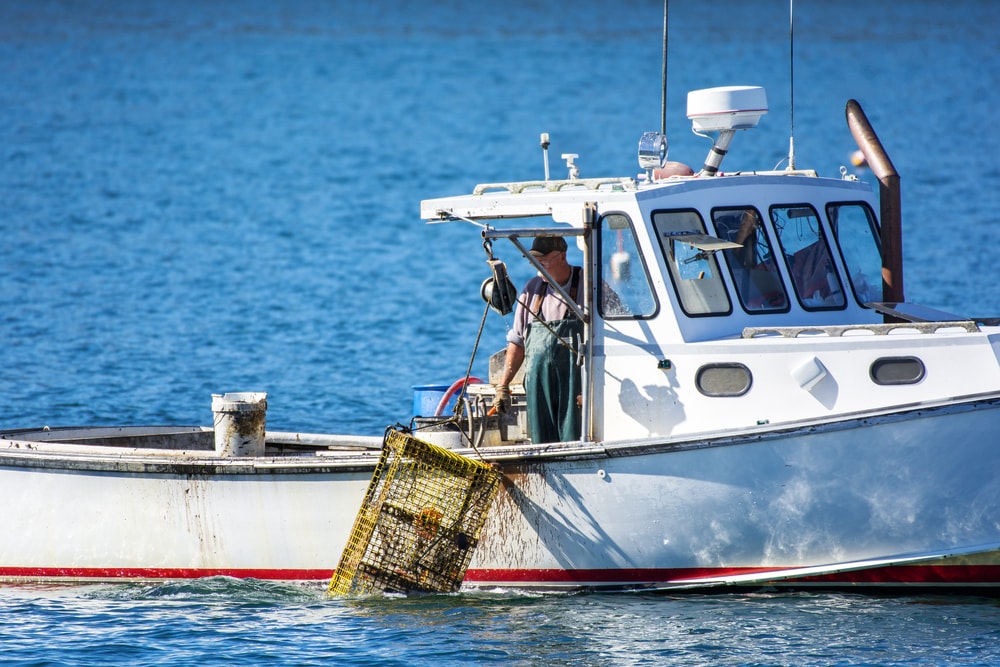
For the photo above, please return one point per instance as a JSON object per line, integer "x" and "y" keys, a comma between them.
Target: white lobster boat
{"x": 760, "y": 407}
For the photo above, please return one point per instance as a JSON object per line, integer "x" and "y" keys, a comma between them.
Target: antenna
{"x": 663, "y": 97}
{"x": 791, "y": 83}
{"x": 653, "y": 145}
{"x": 543, "y": 140}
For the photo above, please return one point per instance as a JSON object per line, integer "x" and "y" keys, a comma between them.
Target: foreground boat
{"x": 760, "y": 407}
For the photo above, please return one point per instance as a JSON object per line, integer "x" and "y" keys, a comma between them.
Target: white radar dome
{"x": 726, "y": 108}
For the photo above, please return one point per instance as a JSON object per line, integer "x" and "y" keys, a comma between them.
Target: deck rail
{"x": 836, "y": 331}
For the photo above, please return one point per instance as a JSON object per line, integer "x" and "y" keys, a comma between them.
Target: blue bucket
{"x": 426, "y": 398}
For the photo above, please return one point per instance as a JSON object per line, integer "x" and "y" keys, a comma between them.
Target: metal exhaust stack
{"x": 890, "y": 210}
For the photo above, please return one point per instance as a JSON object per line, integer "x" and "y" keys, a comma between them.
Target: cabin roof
{"x": 563, "y": 199}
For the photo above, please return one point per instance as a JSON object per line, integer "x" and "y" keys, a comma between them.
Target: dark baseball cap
{"x": 543, "y": 245}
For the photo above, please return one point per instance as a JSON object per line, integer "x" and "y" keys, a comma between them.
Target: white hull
{"x": 862, "y": 489}
{"x": 619, "y": 515}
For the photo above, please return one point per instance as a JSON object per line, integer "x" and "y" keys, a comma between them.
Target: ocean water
{"x": 201, "y": 197}
{"x": 229, "y": 622}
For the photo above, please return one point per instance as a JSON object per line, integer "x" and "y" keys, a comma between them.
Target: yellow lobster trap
{"x": 419, "y": 523}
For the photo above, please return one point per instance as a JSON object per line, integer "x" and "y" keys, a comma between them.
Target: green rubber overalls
{"x": 551, "y": 376}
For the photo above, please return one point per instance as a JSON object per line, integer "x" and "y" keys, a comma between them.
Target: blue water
{"x": 227, "y": 622}
{"x": 200, "y": 197}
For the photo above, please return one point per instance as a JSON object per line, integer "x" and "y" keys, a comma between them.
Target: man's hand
{"x": 501, "y": 400}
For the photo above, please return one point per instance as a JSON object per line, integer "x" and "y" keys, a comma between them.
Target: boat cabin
{"x": 711, "y": 295}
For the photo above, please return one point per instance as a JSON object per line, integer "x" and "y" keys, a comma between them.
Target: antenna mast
{"x": 663, "y": 97}
{"x": 791, "y": 83}
{"x": 653, "y": 145}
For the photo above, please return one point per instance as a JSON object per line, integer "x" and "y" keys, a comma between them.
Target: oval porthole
{"x": 723, "y": 379}
{"x": 897, "y": 370}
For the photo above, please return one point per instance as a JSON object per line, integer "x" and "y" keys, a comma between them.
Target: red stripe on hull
{"x": 620, "y": 575}
{"x": 916, "y": 574}
{"x": 903, "y": 575}
{"x": 953, "y": 575}
{"x": 166, "y": 573}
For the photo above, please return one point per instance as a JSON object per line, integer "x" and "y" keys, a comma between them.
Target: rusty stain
{"x": 510, "y": 536}
{"x": 243, "y": 431}
{"x": 199, "y": 519}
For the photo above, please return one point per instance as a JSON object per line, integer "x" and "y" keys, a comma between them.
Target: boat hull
{"x": 923, "y": 482}
{"x": 643, "y": 514}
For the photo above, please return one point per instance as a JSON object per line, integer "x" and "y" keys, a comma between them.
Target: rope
{"x": 462, "y": 400}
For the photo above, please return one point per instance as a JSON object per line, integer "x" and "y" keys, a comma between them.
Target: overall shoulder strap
{"x": 574, "y": 283}
{"x": 536, "y": 305}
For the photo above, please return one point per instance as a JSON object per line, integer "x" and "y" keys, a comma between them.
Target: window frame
{"x": 665, "y": 254}
{"x": 599, "y": 260}
{"x": 873, "y": 222}
{"x": 824, "y": 236}
{"x": 774, "y": 259}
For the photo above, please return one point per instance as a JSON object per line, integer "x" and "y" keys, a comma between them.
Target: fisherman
{"x": 544, "y": 337}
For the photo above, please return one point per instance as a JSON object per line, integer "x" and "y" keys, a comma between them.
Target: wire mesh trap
{"x": 419, "y": 522}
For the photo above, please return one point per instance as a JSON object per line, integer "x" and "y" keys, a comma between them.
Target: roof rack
{"x": 615, "y": 183}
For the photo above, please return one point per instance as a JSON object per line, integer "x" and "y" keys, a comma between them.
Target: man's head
{"x": 550, "y": 251}
{"x": 543, "y": 245}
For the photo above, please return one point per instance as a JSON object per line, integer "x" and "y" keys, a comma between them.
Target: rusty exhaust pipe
{"x": 889, "y": 201}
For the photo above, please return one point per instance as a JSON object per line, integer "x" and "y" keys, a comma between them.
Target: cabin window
{"x": 752, "y": 267}
{"x": 693, "y": 269}
{"x": 803, "y": 242}
{"x": 625, "y": 289}
{"x": 897, "y": 370}
{"x": 723, "y": 379}
{"x": 857, "y": 235}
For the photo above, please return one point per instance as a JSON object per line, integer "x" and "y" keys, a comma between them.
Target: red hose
{"x": 455, "y": 386}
